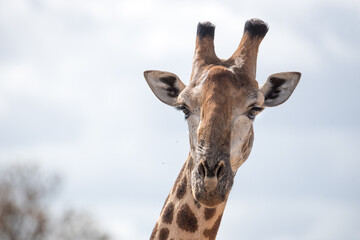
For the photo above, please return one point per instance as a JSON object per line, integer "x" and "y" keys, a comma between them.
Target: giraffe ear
{"x": 279, "y": 87}
{"x": 165, "y": 85}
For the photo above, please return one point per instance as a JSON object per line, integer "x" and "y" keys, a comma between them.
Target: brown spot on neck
{"x": 177, "y": 181}
{"x": 211, "y": 233}
{"x": 181, "y": 191}
{"x": 168, "y": 213}
{"x": 209, "y": 213}
{"x": 164, "y": 234}
{"x": 186, "y": 219}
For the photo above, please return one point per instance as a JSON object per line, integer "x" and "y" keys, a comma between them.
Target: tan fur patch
{"x": 153, "y": 234}
{"x": 211, "y": 233}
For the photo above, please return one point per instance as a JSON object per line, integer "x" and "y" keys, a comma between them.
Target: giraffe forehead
{"x": 219, "y": 83}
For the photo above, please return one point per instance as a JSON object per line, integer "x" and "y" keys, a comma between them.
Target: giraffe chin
{"x": 210, "y": 200}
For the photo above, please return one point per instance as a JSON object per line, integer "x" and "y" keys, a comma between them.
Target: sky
{"x": 73, "y": 100}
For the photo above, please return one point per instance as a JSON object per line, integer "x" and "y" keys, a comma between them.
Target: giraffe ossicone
{"x": 220, "y": 104}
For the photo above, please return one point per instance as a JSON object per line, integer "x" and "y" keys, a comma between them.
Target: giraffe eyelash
{"x": 184, "y": 108}
{"x": 251, "y": 114}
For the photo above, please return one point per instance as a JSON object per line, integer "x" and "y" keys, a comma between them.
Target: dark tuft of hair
{"x": 256, "y": 28}
{"x": 205, "y": 29}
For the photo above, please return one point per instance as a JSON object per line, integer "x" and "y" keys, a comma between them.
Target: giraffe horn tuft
{"x": 204, "y": 48}
{"x": 205, "y": 29}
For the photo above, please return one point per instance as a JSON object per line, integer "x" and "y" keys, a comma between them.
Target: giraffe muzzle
{"x": 211, "y": 183}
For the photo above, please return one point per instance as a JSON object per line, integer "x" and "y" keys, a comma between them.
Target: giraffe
{"x": 220, "y": 104}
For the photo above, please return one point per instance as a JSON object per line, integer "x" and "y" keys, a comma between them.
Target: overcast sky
{"x": 74, "y": 100}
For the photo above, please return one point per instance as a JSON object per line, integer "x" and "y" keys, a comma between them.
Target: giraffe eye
{"x": 185, "y": 110}
{"x": 251, "y": 114}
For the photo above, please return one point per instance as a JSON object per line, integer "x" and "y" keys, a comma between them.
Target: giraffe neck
{"x": 182, "y": 217}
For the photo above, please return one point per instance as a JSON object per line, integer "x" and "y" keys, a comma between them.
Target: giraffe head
{"x": 220, "y": 104}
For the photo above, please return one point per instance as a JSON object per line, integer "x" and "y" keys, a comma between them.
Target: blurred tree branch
{"x": 25, "y": 204}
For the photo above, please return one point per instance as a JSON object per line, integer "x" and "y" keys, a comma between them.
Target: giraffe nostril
{"x": 201, "y": 170}
{"x": 220, "y": 171}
